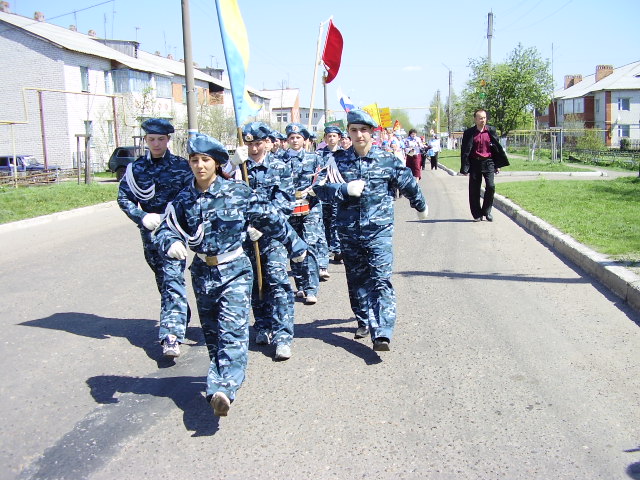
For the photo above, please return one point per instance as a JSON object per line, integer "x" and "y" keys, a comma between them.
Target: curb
{"x": 621, "y": 281}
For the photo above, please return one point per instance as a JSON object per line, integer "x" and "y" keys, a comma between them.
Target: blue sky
{"x": 396, "y": 54}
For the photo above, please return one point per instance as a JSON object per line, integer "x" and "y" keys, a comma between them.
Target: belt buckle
{"x": 211, "y": 261}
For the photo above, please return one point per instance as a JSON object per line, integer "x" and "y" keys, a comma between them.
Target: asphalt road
{"x": 507, "y": 363}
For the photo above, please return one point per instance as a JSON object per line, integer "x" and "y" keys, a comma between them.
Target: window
{"x": 315, "y": 114}
{"x": 568, "y": 106}
{"x": 560, "y": 109}
{"x": 184, "y": 94}
{"x": 88, "y": 127}
{"x": 623, "y": 131}
{"x": 578, "y": 105}
{"x": 623, "y": 104}
{"x": 84, "y": 78}
{"x": 108, "y": 84}
{"x": 597, "y": 105}
{"x": 282, "y": 117}
{"x": 110, "y": 132}
{"x": 163, "y": 87}
{"x": 125, "y": 80}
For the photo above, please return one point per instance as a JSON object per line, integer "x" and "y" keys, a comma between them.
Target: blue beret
{"x": 344, "y": 134}
{"x": 312, "y": 136}
{"x": 157, "y": 126}
{"x": 255, "y": 131}
{"x": 332, "y": 129}
{"x": 201, "y": 143}
{"x": 297, "y": 128}
{"x": 282, "y": 136}
{"x": 361, "y": 117}
{"x": 273, "y": 135}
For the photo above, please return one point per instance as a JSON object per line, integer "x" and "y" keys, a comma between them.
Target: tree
{"x": 509, "y": 91}
{"x": 402, "y": 117}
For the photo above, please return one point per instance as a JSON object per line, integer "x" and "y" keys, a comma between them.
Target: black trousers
{"x": 479, "y": 169}
{"x": 434, "y": 161}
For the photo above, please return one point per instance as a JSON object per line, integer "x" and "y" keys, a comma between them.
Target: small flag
{"x": 236, "y": 52}
{"x": 332, "y": 54}
{"x": 345, "y": 101}
{"x": 396, "y": 125}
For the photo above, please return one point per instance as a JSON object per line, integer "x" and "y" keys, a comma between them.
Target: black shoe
{"x": 479, "y": 219}
{"x": 361, "y": 332}
{"x": 381, "y": 344}
{"x": 489, "y": 217}
{"x": 337, "y": 257}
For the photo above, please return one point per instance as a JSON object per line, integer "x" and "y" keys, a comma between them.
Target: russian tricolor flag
{"x": 345, "y": 101}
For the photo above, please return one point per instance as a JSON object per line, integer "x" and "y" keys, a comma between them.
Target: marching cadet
{"x": 306, "y": 218}
{"x": 271, "y": 179}
{"x": 362, "y": 185}
{"x": 212, "y": 216}
{"x": 332, "y": 136}
{"x": 150, "y": 183}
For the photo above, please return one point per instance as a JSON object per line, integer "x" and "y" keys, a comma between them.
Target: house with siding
{"x": 608, "y": 101}
{"x": 63, "y": 84}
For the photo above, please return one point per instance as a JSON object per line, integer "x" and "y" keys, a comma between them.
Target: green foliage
{"x": 27, "y": 202}
{"x": 590, "y": 140}
{"x": 509, "y": 91}
{"x": 403, "y": 118}
{"x": 625, "y": 144}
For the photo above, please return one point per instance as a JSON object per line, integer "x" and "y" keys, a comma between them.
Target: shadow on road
{"x": 491, "y": 276}
{"x": 186, "y": 392}
{"x": 141, "y": 333}
{"x": 329, "y": 330}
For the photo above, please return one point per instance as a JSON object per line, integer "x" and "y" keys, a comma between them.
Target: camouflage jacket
{"x": 383, "y": 173}
{"x": 215, "y": 221}
{"x": 271, "y": 179}
{"x": 150, "y": 184}
{"x": 304, "y": 168}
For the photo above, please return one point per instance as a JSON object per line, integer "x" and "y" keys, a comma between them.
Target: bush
{"x": 625, "y": 144}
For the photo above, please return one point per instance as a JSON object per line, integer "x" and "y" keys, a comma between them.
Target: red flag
{"x": 396, "y": 125}
{"x": 332, "y": 54}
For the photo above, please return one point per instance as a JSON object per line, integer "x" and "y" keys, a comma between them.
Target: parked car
{"x": 121, "y": 157}
{"x": 24, "y": 164}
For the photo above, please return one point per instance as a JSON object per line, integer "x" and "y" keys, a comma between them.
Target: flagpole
{"x": 315, "y": 73}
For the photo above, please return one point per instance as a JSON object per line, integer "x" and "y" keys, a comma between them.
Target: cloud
{"x": 412, "y": 68}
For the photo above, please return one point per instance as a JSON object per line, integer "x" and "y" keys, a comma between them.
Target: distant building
{"x": 608, "y": 100}
{"x": 58, "y": 83}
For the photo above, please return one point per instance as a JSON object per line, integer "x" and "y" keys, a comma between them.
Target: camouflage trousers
{"x": 274, "y": 313}
{"x": 329, "y": 211}
{"x": 223, "y": 296}
{"x": 169, "y": 274}
{"x": 368, "y": 265}
{"x": 306, "y": 274}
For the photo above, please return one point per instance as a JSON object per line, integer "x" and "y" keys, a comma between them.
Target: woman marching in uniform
{"x": 213, "y": 216}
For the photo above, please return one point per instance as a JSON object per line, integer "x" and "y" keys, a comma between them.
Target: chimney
{"x": 92, "y": 33}
{"x": 4, "y": 7}
{"x": 170, "y": 57}
{"x": 603, "y": 71}
{"x": 39, "y": 16}
{"x": 157, "y": 53}
{"x": 571, "y": 80}
{"x": 73, "y": 28}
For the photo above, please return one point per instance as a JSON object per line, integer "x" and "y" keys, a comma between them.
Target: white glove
{"x": 151, "y": 221}
{"x": 300, "y": 258}
{"x": 177, "y": 250}
{"x": 425, "y": 214}
{"x": 254, "y": 233}
{"x": 241, "y": 155}
{"x": 355, "y": 188}
{"x": 310, "y": 192}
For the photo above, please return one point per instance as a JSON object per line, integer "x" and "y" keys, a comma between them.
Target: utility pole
{"x": 489, "y": 37}
{"x": 438, "y": 113}
{"x": 192, "y": 119}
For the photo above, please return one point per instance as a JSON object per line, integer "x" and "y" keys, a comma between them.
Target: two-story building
{"x": 607, "y": 101}
{"x": 58, "y": 84}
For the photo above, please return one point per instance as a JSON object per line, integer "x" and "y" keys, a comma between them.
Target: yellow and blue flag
{"x": 236, "y": 51}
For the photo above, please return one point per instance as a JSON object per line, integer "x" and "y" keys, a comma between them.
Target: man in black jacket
{"x": 481, "y": 156}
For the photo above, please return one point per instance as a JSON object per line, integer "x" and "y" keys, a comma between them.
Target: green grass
{"x": 602, "y": 214}
{"x": 451, "y": 158}
{"x": 28, "y": 202}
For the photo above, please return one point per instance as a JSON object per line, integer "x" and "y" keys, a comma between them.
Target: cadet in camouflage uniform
{"x": 332, "y": 136}
{"x": 362, "y": 182}
{"x": 307, "y": 216}
{"x": 212, "y": 217}
{"x": 150, "y": 183}
{"x": 271, "y": 179}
